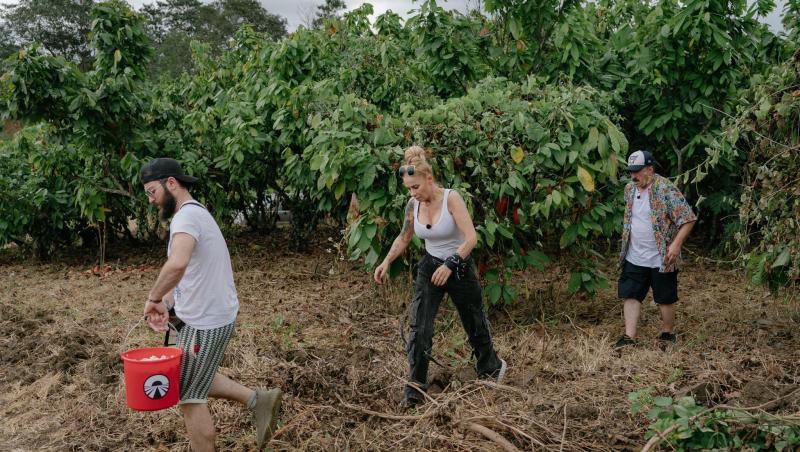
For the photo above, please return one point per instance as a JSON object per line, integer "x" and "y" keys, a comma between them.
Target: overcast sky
{"x": 295, "y": 10}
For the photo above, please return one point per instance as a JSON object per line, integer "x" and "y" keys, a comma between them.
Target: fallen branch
{"x": 296, "y": 419}
{"x": 494, "y": 385}
{"x": 492, "y": 435}
{"x": 513, "y": 429}
{"x": 564, "y": 432}
{"x": 396, "y": 417}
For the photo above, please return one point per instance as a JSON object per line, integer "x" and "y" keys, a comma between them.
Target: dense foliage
{"x": 682, "y": 424}
{"x": 765, "y": 135}
{"x": 528, "y": 115}
{"x": 62, "y": 28}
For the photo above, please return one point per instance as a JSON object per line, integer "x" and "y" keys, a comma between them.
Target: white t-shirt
{"x": 205, "y": 297}
{"x": 642, "y": 250}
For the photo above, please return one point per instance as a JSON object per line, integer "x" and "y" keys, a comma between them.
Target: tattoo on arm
{"x": 401, "y": 242}
{"x": 395, "y": 250}
{"x": 408, "y": 221}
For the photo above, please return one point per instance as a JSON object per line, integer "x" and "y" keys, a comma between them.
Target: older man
{"x": 657, "y": 221}
{"x": 198, "y": 277}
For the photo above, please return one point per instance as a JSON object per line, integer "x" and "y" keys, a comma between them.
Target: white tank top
{"x": 443, "y": 238}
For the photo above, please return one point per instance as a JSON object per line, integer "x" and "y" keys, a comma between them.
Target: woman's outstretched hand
{"x": 380, "y": 272}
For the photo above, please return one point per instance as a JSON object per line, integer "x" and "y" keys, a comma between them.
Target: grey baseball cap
{"x": 639, "y": 160}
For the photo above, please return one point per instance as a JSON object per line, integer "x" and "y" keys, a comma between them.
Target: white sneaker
{"x": 501, "y": 374}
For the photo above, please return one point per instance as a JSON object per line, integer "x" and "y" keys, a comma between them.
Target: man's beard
{"x": 641, "y": 181}
{"x": 167, "y": 209}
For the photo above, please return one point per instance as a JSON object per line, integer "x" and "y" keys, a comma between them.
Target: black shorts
{"x": 635, "y": 281}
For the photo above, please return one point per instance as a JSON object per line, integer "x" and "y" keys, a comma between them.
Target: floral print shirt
{"x": 668, "y": 212}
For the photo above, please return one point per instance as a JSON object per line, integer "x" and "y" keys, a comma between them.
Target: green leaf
{"x": 355, "y": 235}
{"x": 504, "y": 232}
{"x": 681, "y": 411}
{"x": 574, "y": 282}
{"x": 556, "y": 197}
{"x": 493, "y": 292}
{"x": 364, "y": 243}
{"x": 515, "y": 28}
{"x": 339, "y": 191}
{"x": 370, "y": 230}
{"x": 489, "y": 237}
{"x": 782, "y": 259}
{"x": 591, "y": 142}
{"x": 561, "y": 156}
{"x": 569, "y": 236}
{"x": 316, "y": 120}
{"x": 763, "y": 108}
{"x": 618, "y": 142}
{"x": 662, "y": 401}
{"x": 371, "y": 259}
{"x": 602, "y": 145}
{"x": 654, "y": 413}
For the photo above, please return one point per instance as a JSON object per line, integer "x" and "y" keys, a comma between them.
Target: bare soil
{"x": 316, "y": 327}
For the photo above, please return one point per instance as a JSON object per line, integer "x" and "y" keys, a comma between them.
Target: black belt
{"x": 455, "y": 263}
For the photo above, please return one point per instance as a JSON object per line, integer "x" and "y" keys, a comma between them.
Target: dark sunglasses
{"x": 407, "y": 169}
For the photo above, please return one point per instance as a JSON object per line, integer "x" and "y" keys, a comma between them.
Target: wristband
{"x": 154, "y": 301}
{"x": 457, "y": 265}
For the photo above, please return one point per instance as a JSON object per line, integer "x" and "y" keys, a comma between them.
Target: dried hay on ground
{"x": 330, "y": 339}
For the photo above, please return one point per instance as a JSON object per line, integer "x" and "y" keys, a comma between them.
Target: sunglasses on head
{"x": 407, "y": 169}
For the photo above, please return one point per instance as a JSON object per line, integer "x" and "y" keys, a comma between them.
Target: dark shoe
{"x": 412, "y": 397}
{"x": 268, "y": 406}
{"x": 410, "y": 402}
{"x": 667, "y": 339}
{"x": 624, "y": 341}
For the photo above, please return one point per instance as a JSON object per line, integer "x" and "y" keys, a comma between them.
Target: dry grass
{"x": 330, "y": 339}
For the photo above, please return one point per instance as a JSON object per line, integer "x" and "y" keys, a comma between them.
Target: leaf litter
{"x": 319, "y": 329}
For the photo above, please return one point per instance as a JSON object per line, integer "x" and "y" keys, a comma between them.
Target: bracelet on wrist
{"x": 154, "y": 301}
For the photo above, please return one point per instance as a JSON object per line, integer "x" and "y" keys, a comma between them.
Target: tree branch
{"x": 117, "y": 192}
{"x": 492, "y": 435}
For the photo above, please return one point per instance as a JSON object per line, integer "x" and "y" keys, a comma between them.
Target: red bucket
{"x": 152, "y": 385}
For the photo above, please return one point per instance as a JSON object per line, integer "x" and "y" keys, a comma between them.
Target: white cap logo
{"x": 637, "y": 158}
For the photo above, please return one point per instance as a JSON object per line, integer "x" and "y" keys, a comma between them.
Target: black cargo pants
{"x": 466, "y": 295}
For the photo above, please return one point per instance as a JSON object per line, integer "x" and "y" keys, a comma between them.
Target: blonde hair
{"x": 416, "y": 156}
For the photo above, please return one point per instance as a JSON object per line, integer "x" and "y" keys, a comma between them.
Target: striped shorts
{"x": 202, "y": 354}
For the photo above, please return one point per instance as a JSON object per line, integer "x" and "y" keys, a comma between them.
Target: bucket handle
{"x": 141, "y": 319}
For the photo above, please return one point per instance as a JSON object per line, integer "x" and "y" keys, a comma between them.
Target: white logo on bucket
{"x": 156, "y": 386}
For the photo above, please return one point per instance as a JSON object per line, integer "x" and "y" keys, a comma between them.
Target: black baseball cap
{"x": 639, "y": 160}
{"x": 162, "y": 168}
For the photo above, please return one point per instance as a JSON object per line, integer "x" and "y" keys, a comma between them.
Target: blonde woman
{"x": 440, "y": 217}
